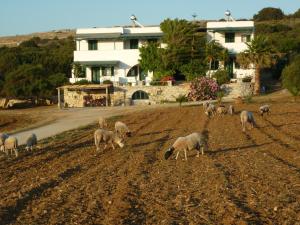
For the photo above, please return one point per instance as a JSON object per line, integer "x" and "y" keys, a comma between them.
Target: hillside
{"x": 12, "y": 41}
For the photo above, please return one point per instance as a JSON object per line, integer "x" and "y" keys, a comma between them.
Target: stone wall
{"x": 157, "y": 94}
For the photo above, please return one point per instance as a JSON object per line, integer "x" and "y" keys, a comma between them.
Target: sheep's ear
{"x": 168, "y": 153}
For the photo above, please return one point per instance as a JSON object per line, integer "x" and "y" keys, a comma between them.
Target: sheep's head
{"x": 169, "y": 152}
{"x": 119, "y": 141}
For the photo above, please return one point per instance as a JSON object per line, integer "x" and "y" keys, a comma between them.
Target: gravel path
{"x": 76, "y": 117}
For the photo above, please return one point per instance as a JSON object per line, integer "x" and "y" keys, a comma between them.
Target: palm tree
{"x": 215, "y": 51}
{"x": 258, "y": 55}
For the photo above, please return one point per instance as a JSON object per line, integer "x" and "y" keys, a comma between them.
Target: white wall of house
{"x": 113, "y": 48}
{"x": 216, "y": 31}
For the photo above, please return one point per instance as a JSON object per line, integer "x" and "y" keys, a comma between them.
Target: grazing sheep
{"x": 230, "y": 110}
{"x": 11, "y": 143}
{"x": 3, "y": 137}
{"x": 264, "y": 109}
{"x": 210, "y": 110}
{"x": 205, "y": 105}
{"x": 102, "y": 122}
{"x": 108, "y": 137}
{"x": 31, "y": 142}
{"x": 247, "y": 117}
{"x": 122, "y": 130}
{"x": 221, "y": 110}
{"x": 195, "y": 140}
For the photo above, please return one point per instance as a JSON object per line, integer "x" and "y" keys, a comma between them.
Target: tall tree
{"x": 215, "y": 51}
{"x": 269, "y": 13}
{"x": 259, "y": 55}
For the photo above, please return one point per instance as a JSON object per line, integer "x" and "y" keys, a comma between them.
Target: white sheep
{"x": 108, "y": 137}
{"x": 3, "y": 137}
{"x": 230, "y": 110}
{"x": 205, "y": 105}
{"x": 31, "y": 142}
{"x": 102, "y": 122}
{"x": 122, "y": 130}
{"x": 195, "y": 140}
{"x": 221, "y": 110}
{"x": 247, "y": 117}
{"x": 11, "y": 143}
{"x": 210, "y": 110}
{"x": 264, "y": 109}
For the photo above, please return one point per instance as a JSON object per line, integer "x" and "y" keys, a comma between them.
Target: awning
{"x": 230, "y": 29}
{"x": 98, "y": 63}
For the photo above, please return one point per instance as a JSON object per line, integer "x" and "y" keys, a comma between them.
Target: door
{"x": 96, "y": 74}
{"x": 229, "y": 67}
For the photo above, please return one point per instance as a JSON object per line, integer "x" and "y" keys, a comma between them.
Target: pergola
{"x": 84, "y": 87}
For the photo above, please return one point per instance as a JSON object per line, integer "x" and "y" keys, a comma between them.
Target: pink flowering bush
{"x": 203, "y": 88}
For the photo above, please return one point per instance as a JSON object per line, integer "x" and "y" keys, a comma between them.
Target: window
{"x": 138, "y": 95}
{"x": 93, "y": 45}
{"x": 215, "y": 65}
{"x": 134, "y": 44}
{"x": 107, "y": 71}
{"x": 229, "y": 37}
{"x": 246, "y": 38}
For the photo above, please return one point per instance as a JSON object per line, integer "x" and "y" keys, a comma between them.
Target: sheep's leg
{"x": 243, "y": 126}
{"x": 197, "y": 154}
{"x": 112, "y": 145}
{"x": 105, "y": 146}
{"x": 202, "y": 150}
{"x": 185, "y": 155}
{"x": 16, "y": 152}
{"x": 177, "y": 155}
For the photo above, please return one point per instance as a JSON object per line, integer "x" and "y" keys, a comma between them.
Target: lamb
{"x": 195, "y": 140}
{"x": 221, "y": 110}
{"x": 122, "y": 130}
{"x": 264, "y": 109}
{"x": 247, "y": 117}
{"x": 11, "y": 143}
{"x": 210, "y": 110}
{"x": 205, "y": 105}
{"x": 108, "y": 137}
{"x": 102, "y": 122}
{"x": 31, "y": 142}
{"x": 230, "y": 110}
{"x": 3, "y": 137}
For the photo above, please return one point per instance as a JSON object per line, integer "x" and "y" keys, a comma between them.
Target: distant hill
{"x": 13, "y": 41}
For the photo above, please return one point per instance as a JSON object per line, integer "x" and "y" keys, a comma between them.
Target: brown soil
{"x": 20, "y": 119}
{"x": 244, "y": 178}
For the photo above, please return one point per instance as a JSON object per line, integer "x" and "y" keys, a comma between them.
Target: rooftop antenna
{"x": 228, "y": 16}
{"x": 134, "y": 21}
{"x": 194, "y": 16}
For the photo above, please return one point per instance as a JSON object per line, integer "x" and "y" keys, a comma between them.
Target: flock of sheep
{"x": 196, "y": 140}
{"x": 9, "y": 144}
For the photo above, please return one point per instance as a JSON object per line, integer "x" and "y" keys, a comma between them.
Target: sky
{"x": 28, "y": 16}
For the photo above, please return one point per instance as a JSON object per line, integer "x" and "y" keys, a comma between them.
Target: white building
{"x": 112, "y": 53}
{"x": 232, "y": 35}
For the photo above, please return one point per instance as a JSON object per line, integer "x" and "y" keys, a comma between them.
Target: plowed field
{"x": 244, "y": 178}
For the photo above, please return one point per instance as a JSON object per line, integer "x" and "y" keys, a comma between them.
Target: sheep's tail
{"x": 169, "y": 152}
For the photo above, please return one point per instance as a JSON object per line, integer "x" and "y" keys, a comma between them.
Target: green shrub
{"x": 247, "y": 79}
{"x": 84, "y": 81}
{"x": 181, "y": 98}
{"x": 220, "y": 95}
{"x": 107, "y": 82}
{"x": 291, "y": 77}
{"x": 222, "y": 77}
